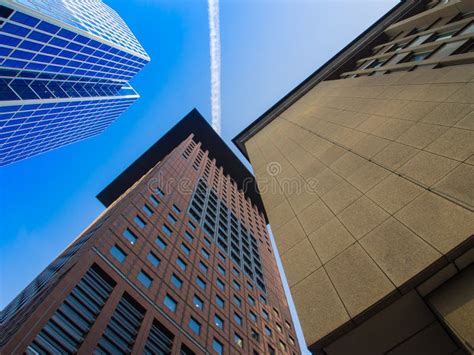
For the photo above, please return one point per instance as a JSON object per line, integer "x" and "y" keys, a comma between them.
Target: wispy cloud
{"x": 215, "y": 49}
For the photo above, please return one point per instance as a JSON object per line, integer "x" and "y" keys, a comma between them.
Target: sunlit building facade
{"x": 180, "y": 262}
{"x": 64, "y": 71}
{"x": 378, "y": 241}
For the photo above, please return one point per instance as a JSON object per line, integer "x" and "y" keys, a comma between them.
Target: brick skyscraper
{"x": 180, "y": 262}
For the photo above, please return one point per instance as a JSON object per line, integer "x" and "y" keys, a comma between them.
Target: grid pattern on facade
{"x": 424, "y": 46}
{"x": 28, "y": 130}
{"x": 30, "y": 43}
{"x": 92, "y": 16}
{"x": 45, "y": 69}
{"x": 69, "y": 325}
{"x": 160, "y": 340}
{"x": 122, "y": 330}
{"x": 214, "y": 217}
{"x": 33, "y": 291}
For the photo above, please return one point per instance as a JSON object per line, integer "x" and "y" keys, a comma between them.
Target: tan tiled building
{"x": 366, "y": 170}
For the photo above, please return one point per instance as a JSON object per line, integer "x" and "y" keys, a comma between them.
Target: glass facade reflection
{"x": 64, "y": 67}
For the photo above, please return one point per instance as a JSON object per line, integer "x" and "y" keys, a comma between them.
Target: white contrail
{"x": 215, "y": 49}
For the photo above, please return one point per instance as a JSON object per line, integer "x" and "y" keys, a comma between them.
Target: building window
{"x": 205, "y": 253}
{"x": 192, "y": 226}
{"x": 218, "y": 321}
{"x": 254, "y": 335}
{"x": 176, "y": 209}
{"x": 145, "y": 279}
{"x": 161, "y": 243}
{"x": 203, "y": 267}
{"x": 288, "y": 325}
{"x": 166, "y": 230}
{"x": 220, "y": 284}
{"x": 265, "y": 314}
{"x": 176, "y": 281}
{"x": 160, "y": 192}
{"x": 271, "y": 351}
{"x": 238, "y": 319}
{"x": 252, "y": 316}
{"x": 148, "y": 211}
{"x": 154, "y": 200}
{"x": 118, "y": 253}
{"x": 188, "y": 237}
{"x": 139, "y": 222}
{"x": 235, "y": 271}
{"x": 237, "y": 300}
{"x": 128, "y": 234}
{"x": 181, "y": 263}
{"x": 200, "y": 282}
{"x": 263, "y": 299}
{"x": 282, "y": 345}
{"x": 207, "y": 242}
{"x": 185, "y": 249}
{"x": 217, "y": 346}
{"x": 238, "y": 340}
{"x": 279, "y": 328}
{"x": 236, "y": 285}
{"x": 195, "y": 326}
{"x": 268, "y": 331}
{"x": 249, "y": 286}
{"x": 221, "y": 256}
{"x": 251, "y": 300}
{"x": 221, "y": 269}
{"x": 198, "y": 302}
{"x": 170, "y": 303}
{"x": 292, "y": 341}
{"x": 172, "y": 219}
{"x": 219, "y": 301}
{"x": 153, "y": 259}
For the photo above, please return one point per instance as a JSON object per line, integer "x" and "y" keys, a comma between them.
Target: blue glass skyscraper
{"x": 64, "y": 71}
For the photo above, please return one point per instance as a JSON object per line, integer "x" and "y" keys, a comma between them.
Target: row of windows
{"x": 404, "y": 47}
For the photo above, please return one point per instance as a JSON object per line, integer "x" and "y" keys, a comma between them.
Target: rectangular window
{"x": 251, "y": 300}
{"x": 205, "y": 253}
{"x": 195, "y": 326}
{"x": 185, "y": 249}
{"x": 170, "y": 303}
{"x": 238, "y": 340}
{"x": 192, "y": 226}
{"x": 220, "y": 284}
{"x": 172, "y": 219}
{"x": 154, "y": 200}
{"x": 139, "y": 222}
{"x": 145, "y": 279}
{"x": 128, "y": 234}
{"x": 252, "y": 316}
{"x": 218, "y": 321}
{"x": 153, "y": 259}
{"x": 200, "y": 282}
{"x": 148, "y": 211}
{"x": 217, "y": 346}
{"x": 166, "y": 230}
{"x": 118, "y": 253}
{"x": 176, "y": 281}
{"x": 237, "y": 300}
{"x": 188, "y": 237}
{"x": 198, "y": 302}
{"x": 176, "y": 209}
{"x": 161, "y": 243}
{"x": 268, "y": 331}
{"x": 221, "y": 269}
{"x": 238, "y": 319}
{"x": 236, "y": 285}
{"x": 219, "y": 301}
{"x": 160, "y": 192}
{"x": 181, "y": 263}
{"x": 203, "y": 267}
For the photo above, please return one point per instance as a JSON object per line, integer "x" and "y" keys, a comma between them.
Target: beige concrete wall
{"x": 385, "y": 168}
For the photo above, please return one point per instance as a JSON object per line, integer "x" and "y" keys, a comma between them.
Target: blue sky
{"x": 268, "y": 47}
